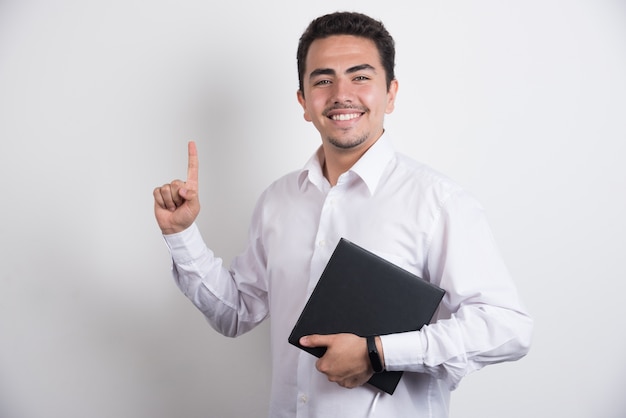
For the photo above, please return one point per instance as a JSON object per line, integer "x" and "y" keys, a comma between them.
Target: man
{"x": 355, "y": 186}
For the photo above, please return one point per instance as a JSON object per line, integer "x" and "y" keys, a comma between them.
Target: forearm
{"x": 210, "y": 286}
{"x": 452, "y": 348}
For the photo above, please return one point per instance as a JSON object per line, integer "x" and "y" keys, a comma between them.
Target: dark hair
{"x": 348, "y": 23}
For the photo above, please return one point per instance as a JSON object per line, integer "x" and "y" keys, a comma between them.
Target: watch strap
{"x": 372, "y": 352}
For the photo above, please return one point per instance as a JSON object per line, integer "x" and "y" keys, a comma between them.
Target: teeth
{"x": 346, "y": 116}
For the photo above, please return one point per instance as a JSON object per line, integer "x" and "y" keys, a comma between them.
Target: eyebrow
{"x": 351, "y": 70}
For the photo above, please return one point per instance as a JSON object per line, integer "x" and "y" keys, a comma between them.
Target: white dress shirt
{"x": 404, "y": 212}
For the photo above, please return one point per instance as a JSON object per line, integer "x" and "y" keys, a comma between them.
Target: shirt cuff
{"x": 403, "y": 351}
{"x": 186, "y": 246}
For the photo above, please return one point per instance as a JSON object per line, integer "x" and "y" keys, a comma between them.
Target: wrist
{"x": 374, "y": 350}
{"x": 381, "y": 352}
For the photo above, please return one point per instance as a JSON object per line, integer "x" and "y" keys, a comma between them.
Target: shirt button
{"x": 303, "y": 398}
{"x": 322, "y": 243}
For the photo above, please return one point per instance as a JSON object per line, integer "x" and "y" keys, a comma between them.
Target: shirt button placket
{"x": 326, "y": 220}
{"x": 302, "y": 409}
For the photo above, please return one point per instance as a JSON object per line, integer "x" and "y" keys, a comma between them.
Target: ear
{"x": 391, "y": 96}
{"x": 302, "y": 102}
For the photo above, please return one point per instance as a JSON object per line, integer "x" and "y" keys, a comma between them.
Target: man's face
{"x": 345, "y": 92}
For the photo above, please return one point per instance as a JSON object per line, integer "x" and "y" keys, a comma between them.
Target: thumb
{"x": 187, "y": 194}
{"x": 190, "y": 196}
{"x": 315, "y": 340}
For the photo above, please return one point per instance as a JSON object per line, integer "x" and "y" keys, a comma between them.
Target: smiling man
{"x": 358, "y": 187}
{"x": 345, "y": 93}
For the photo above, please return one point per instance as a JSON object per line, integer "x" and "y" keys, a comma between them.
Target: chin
{"x": 348, "y": 143}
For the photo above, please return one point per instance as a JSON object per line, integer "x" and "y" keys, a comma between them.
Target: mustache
{"x": 340, "y": 106}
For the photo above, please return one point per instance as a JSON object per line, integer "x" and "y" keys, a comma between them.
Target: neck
{"x": 338, "y": 161}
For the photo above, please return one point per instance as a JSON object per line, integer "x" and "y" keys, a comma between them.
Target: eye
{"x": 321, "y": 82}
{"x": 361, "y": 78}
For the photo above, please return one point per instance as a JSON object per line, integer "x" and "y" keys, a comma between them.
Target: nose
{"x": 342, "y": 91}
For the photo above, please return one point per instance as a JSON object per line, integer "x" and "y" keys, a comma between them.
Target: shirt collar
{"x": 312, "y": 171}
{"x": 369, "y": 167}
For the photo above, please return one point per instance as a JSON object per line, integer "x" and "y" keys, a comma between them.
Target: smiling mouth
{"x": 345, "y": 116}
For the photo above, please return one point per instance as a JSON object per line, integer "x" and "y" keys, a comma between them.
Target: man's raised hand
{"x": 176, "y": 204}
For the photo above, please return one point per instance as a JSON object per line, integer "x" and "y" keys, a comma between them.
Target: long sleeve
{"x": 233, "y": 301}
{"x": 481, "y": 319}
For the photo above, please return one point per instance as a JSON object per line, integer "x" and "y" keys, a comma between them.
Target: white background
{"x": 523, "y": 103}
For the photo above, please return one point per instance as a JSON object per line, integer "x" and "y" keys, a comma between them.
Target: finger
{"x": 175, "y": 188}
{"x": 163, "y": 196}
{"x": 314, "y": 340}
{"x": 158, "y": 199}
{"x": 192, "y": 166}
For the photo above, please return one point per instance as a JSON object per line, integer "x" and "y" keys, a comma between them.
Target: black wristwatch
{"x": 372, "y": 351}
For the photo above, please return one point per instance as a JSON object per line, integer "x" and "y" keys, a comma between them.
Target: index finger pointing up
{"x": 192, "y": 166}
